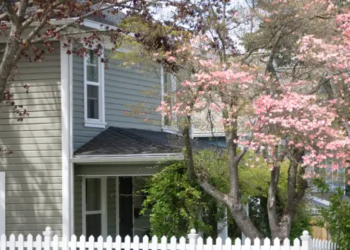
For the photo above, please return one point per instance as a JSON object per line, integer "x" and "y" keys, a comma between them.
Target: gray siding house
{"x": 77, "y": 159}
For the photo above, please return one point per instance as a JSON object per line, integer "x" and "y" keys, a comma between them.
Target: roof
{"x": 120, "y": 141}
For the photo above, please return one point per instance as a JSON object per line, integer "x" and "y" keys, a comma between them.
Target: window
{"x": 94, "y": 91}
{"x": 168, "y": 82}
{"x": 94, "y": 207}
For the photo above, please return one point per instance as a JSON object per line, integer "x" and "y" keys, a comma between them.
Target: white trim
{"x": 117, "y": 204}
{"x": 169, "y": 129}
{"x": 71, "y": 151}
{"x": 216, "y": 134}
{"x": 83, "y": 204}
{"x": 104, "y": 206}
{"x": 66, "y": 142}
{"x": 322, "y": 201}
{"x": 2, "y": 203}
{"x": 103, "y": 201}
{"x": 97, "y": 25}
{"x": 101, "y": 122}
{"x": 132, "y": 158}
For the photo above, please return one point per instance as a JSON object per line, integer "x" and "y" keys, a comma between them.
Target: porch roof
{"x": 121, "y": 141}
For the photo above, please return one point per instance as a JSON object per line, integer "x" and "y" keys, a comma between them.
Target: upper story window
{"x": 94, "y": 110}
{"x": 169, "y": 95}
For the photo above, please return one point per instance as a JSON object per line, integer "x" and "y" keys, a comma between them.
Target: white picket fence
{"x": 194, "y": 242}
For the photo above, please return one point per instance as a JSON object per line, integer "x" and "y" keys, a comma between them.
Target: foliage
{"x": 176, "y": 204}
{"x": 337, "y": 219}
{"x": 254, "y": 172}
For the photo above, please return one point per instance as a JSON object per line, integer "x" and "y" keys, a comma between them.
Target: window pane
{"x": 93, "y": 225}
{"x": 92, "y": 92}
{"x": 91, "y": 57}
{"x": 92, "y": 73}
{"x": 93, "y": 194}
{"x": 92, "y": 102}
{"x": 167, "y": 82}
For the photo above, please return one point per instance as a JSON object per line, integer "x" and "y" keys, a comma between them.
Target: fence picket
{"x": 218, "y": 244}
{"x": 200, "y": 244}
{"x": 82, "y": 243}
{"x": 276, "y": 244}
{"x": 136, "y": 243}
{"x": 182, "y": 243}
{"x": 20, "y": 243}
{"x": 247, "y": 244}
{"x": 296, "y": 244}
{"x": 64, "y": 242}
{"x": 145, "y": 243}
{"x": 267, "y": 244}
{"x": 127, "y": 243}
{"x": 38, "y": 242}
{"x": 73, "y": 242}
{"x": 238, "y": 244}
{"x": 257, "y": 245}
{"x": 29, "y": 244}
{"x": 163, "y": 243}
{"x": 286, "y": 244}
{"x": 173, "y": 243}
{"x": 209, "y": 243}
{"x": 154, "y": 243}
{"x": 118, "y": 243}
{"x": 100, "y": 243}
{"x": 12, "y": 242}
{"x": 55, "y": 244}
{"x": 109, "y": 244}
{"x": 91, "y": 243}
{"x": 228, "y": 244}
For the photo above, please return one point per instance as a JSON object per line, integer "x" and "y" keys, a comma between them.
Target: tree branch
{"x": 11, "y": 13}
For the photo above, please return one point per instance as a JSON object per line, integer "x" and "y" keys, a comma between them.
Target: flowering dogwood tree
{"x": 282, "y": 117}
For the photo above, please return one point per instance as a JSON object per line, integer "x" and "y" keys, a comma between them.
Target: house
{"x": 76, "y": 158}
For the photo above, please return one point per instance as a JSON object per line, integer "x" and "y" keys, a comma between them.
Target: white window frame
{"x": 169, "y": 129}
{"x": 103, "y": 210}
{"x": 2, "y": 203}
{"x": 101, "y": 122}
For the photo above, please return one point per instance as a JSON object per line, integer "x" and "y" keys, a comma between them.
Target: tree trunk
{"x": 7, "y": 61}
{"x": 280, "y": 226}
{"x": 244, "y": 223}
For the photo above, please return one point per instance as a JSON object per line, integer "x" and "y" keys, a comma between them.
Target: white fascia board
{"x": 217, "y": 134}
{"x": 321, "y": 201}
{"x": 131, "y": 158}
{"x": 97, "y": 25}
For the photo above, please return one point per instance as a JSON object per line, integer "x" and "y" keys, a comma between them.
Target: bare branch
{"x": 3, "y": 16}
{"x": 22, "y": 9}
{"x": 11, "y": 13}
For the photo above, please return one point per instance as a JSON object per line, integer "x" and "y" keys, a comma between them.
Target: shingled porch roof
{"x": 121, "y": 141}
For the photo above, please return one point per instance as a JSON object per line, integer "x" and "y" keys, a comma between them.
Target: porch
{"x": 110, "y": 170}
{"x": 109, "y": 205}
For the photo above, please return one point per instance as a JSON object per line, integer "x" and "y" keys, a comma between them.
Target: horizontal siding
{"x": 124, "y": 87}
{"x": 34, "y": 170}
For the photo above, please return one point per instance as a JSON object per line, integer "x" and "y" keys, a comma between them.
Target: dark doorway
{"x": 125, "y": 206}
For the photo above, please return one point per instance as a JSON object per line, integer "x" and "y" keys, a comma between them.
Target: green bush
{"x": 337, "y": 219}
